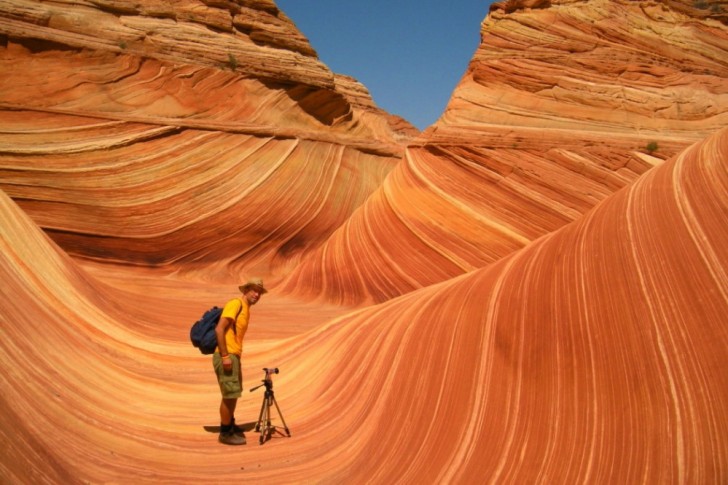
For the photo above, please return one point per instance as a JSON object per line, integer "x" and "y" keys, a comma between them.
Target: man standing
{"x": 230, "y": 331}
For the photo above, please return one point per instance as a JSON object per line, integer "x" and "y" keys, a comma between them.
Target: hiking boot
{"x": 237, "y": 429}
{"x": 231, "y": 439}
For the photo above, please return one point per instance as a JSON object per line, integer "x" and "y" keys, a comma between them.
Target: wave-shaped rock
{"x": 545, "y": 287}
{"x": 154, "y": 149}
{"x": 601, "y": 343}
{"x": 562, "y": 104}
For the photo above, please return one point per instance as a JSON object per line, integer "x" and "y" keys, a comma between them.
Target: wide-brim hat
{"x": 253, "y": 283}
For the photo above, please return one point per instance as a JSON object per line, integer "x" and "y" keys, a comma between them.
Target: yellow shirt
{"x": 234, "y": 339}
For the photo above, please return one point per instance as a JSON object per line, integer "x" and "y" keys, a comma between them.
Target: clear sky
{"x": 410, "y": 54}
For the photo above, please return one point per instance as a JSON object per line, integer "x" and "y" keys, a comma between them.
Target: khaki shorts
{"x": 231, "y": 383}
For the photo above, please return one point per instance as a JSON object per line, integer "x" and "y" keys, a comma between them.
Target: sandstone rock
{"x": 556, "y": 111}
{"x": 532, "y": 290}
{"x": 188, "y": 32}
{"x": 107, "y": 111}
{"x": 277, "y": 31}
{"x": 564, "y": 345}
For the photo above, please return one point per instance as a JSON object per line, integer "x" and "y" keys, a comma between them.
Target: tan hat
{"x": 253, "y": 282}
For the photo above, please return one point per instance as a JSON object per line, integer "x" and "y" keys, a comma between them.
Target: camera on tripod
{"x": 264, "y": 425}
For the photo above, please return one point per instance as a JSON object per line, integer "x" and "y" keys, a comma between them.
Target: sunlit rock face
{"x": 595, "y": 354}
{"x": 533, "y": 290}
{"x": 562, "y": 104}
{"x": 170, "y": 132}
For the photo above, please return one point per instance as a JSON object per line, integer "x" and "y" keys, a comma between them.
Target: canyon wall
{"x": 169, "y": 132}
{"x": 531, "y": 290}
{"x": 562, "y": 104}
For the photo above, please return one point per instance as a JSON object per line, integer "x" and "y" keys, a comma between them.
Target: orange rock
{"x": 532, "y": 290}
{"x": 558, "y": 109}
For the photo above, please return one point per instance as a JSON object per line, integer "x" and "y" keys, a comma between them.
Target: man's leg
{"x": 227, "y": 411}
{"x": 230, "y": 386}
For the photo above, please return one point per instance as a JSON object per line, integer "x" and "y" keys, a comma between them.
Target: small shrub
{"x": 122, "y": 44}
{"x": 232, "y": 62}
{"x": 652, "y": 146}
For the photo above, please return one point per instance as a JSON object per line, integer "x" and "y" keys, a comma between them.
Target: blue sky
{"x": 410, "y": 54}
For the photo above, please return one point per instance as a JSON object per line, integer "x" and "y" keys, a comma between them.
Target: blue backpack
{"x": 202, "y": 333}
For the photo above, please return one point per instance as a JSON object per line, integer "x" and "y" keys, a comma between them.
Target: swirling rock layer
{"x": 146, "y": 154}
{"x": 562, "y": 104}
{"x": 533, "y": 290}
{"x": 594, "y": 354}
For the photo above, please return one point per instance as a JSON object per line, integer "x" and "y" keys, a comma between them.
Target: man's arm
{"x": 220, "y": 330}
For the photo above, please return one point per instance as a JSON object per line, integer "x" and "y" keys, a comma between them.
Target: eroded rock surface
{"x": 563, "y": 104}
{"x": 161, "y": 132}
{"x": 532, "y": 290}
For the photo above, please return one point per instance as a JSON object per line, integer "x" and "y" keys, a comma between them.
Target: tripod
{"x": 264, "y": 418}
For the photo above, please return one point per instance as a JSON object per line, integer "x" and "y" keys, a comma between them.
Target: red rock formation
{"x": 157, "y": 142}
{"x": 560, "y": 107}
{"x": 551, "y": 292}
{"x": 594, "y": 354}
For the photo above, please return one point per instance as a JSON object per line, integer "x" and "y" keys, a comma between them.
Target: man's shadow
{"x": 246, "y": 427}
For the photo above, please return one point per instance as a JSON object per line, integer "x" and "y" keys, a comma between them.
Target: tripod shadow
{"x": 216, "y": 429}
{"x": 274, "y": 432}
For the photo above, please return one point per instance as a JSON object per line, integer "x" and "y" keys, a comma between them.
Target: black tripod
{"x": 264, "y": 419}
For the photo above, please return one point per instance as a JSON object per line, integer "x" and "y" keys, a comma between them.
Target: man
{"x": 230, "y": 331}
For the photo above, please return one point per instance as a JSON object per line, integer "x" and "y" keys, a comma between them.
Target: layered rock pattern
{"x": 562, "y": 104}
{"x": 524, "y": 293}
{"x": 594, "y": 354}
{"x": 155, "y": 149}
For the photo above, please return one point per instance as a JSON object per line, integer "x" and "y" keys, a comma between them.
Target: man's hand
{"x": 227, "y": 364}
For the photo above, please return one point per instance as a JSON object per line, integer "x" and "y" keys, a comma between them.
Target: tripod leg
{"x": 260, "y": 417}
{"x": 285, "y": 426}
{"x": 265, "y": 420}
{"x": 268, "y": 423}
